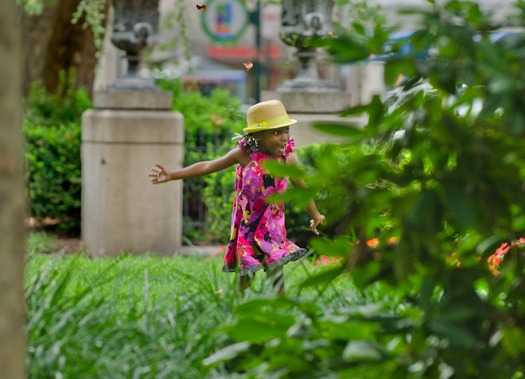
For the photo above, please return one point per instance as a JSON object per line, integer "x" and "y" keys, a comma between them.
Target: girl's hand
{"x": 159, "y": 174}
{"x": 314, "y": 222}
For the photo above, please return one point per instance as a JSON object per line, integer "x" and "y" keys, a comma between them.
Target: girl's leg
{"x": 277, "y": 279}
{"x": 245, "y": 282}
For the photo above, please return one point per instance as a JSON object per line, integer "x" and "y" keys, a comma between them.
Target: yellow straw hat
{"x": 267, "y": 115}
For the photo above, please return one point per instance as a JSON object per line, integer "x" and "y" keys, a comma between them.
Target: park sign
{"x": 224, "y": 21}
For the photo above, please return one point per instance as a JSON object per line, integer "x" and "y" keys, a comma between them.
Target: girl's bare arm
{"x": 159, "y": 174}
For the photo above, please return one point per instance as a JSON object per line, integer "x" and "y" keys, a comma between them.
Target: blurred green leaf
{"x": 395, "y": 69}
{"x": 342, "y": 130}
{"x": 298, "y": 195}
{"x": 346, "y": 48}
{"x": 364, "y": 351}
{"x": 261, "y": 327}
{"x": 227, "y": 353}
{"x": 337, "y": 247}
{"x": 324, "y": 277}
{"x": 461, "y": 206}
{"x": 456, "y": 334}
{"x": 284, "y": 170}
{"x": 363, "y": 276}
{"x": 514, "y": 340}
{"x": 349, "y": 329}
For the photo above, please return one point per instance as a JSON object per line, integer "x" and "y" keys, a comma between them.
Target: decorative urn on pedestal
{"x": 134, "y": 30}
{"x": 301, "y": 21}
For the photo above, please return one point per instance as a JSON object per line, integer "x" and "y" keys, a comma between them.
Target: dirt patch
{"x": 67, "y": 245}
{"x": 59, "y": 242}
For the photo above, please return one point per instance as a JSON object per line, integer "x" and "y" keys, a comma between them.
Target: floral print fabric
{"x": 258, "y": 233}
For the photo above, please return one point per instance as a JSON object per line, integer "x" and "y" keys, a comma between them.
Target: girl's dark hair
{"x": 251, "y": 143}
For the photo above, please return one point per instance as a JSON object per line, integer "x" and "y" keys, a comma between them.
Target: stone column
{"x": 126, "y": 133}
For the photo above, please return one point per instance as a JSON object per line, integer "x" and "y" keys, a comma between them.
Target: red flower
{"x": 325, "y": 260}
{"x": 453, "y": 259}
{"x": 495, "y": 259}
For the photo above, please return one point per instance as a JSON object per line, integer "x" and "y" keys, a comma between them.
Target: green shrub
{"x": 452, "y": 185}
{"x": 61, "y": 108}
{"x": 54, "y": 173}
{"x": 297, "y": 219}
{"x": 53, "y": 138}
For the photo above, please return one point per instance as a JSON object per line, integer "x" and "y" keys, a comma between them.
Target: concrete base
{"x": 133, "y": 99}
{"x": 314, "y": 101}
{"x": 304, "y": 132}
{"x": 121, "y": 210}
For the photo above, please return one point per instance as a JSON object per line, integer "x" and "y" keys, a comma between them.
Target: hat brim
{"x": 276, "y": 126}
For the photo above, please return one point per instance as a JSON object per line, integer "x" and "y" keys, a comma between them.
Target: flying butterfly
{"x": 248, "y": 65}
{"x": 201, "y": 7}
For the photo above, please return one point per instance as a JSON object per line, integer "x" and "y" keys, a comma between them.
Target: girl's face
{"x": 273, "y": 142}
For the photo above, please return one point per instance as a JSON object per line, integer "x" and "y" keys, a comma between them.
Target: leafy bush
{"x": 297, "y": 219}
{"x": 54, "y": 173}
{"x": 53, "y": 138}
{"x": 451, "y": 186}
{"x": 61, "y": 108}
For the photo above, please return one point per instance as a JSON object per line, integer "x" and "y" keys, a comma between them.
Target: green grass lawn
{"x": 143, "y": 316}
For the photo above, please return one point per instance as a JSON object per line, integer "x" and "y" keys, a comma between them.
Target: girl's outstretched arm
{"x": 159, "y": 174}
{"x": 316, "y": 217}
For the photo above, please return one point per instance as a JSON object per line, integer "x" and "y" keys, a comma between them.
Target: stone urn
{"x": 134, "y": 31}
{"x": 301, "y": 21}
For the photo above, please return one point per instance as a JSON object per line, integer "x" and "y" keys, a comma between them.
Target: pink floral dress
{"x": 258, "y": 233}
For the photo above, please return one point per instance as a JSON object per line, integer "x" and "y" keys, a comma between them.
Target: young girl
{"x": 258, "y": 234}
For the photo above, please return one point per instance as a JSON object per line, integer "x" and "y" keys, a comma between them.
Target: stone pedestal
{"x": 312, "y": 107}
{"x": 311, "y": 101}
{"x": 121, "y": 210}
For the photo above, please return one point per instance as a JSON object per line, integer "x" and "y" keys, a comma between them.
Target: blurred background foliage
{"x": 416, "y": 202}
{"x": 421, "y": 197}
{"x": 52, "y": 129}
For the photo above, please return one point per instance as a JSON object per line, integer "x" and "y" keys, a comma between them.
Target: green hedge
{"x": 53, "y": 137}
{"x": 54, "y": 173}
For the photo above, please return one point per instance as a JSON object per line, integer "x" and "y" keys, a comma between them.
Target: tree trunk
{"x": 52, "y": 44}
{"x": 12, "y": 197}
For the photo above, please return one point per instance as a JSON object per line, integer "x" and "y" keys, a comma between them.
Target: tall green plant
{"x": 452, "y": 184}
{"x": 140, "y": 316}
{"x": 130, "y": 317}
{"x": 54, "y": 174}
